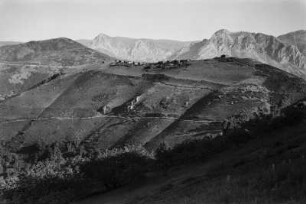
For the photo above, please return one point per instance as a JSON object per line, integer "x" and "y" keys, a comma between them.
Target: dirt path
{"x": 102, "y": 116}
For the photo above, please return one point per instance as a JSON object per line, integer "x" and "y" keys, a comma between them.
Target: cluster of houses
{"x": 156, "y": 65}
{"x": 125, "y": 63}
{"x": 167, "y": 64}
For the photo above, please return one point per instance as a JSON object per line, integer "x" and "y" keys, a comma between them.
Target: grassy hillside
{"x": 118, "y": 106}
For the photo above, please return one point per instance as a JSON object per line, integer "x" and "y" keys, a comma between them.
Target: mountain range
{"x": 147, "y": 50}
{"x": 263, "y": 48}
{"x": 286, "y": 51}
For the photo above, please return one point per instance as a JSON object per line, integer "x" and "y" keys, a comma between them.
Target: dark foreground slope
{"x": 265, "y": 164}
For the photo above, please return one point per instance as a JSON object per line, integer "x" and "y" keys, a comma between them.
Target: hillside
{"x": 147, "y": 50}
{"x": 257, "y": 46}
{"x": 118, "y": 106}
{"x": 296, "y": 38}
{"x": 59, "y": 51}
{"x": 23, "y": 66}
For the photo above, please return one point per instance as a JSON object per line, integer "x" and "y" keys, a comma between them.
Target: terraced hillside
{"x": 105, "y": 107}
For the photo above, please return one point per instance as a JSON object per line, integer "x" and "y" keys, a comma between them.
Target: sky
{"x": 25, "y": 20}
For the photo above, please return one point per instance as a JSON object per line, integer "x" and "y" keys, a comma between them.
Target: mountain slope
{"x": 59, "y": 51}
{"x": 26, "y": 65}
{"x": 258, "y": 46}
{"x": 134, "y": 49}
{"x": 297, "y": 38}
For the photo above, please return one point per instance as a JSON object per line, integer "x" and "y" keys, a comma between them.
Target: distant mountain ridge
{"x": 134, "y": 49}
{"x": 261, "y": 47}
{"x": 3, "y": 43}
{"x": 287, "y": 52}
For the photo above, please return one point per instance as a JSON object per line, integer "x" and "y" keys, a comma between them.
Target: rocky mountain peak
{"x": 101, "y": 37}
{"x": 221, "y": 34}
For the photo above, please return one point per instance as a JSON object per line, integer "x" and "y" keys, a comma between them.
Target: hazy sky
{"x": 24, "y": 20}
